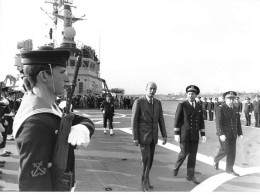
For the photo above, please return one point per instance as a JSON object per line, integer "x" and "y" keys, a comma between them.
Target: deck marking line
{"x": 210, "y": 184}
{"x": 214, "y": 181}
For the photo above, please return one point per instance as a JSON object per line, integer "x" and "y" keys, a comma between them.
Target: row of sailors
{"x": 209, "y": 108}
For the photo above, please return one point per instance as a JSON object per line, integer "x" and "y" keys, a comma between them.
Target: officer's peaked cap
{"x": 46, "y": 55}
{"x": 193, "y": 88}
{"x": 230, "y": 94}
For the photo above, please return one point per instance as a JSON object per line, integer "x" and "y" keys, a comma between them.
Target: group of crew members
{"x": 36, "y": 125}
{"x": 209, "y": 108}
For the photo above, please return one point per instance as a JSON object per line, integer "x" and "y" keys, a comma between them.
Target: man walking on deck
{"x": 147, "y": 114}
{"x": 188, "y": 123}
{"x": 228, "y": 128}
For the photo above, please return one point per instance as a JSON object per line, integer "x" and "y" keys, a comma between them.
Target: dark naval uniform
{"x": 256, "y": 106}
{"x": 239, "y": 105}
{"x": 188, "y": 123}
{"x": 228, "y": 124}
{"x": 210, "y": 109}
{"x": 248, "y": 109}
{"x": 35, "y": 127}
{"x": 109, "y": 109}
{"x": 199, "y": 101}
{"x": 204, "y": 108}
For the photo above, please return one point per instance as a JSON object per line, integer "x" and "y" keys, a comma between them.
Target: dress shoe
{"x": 193, "y": 179}
{"x": 1, "y": 172}
{"x": 2, "y": 165}
{"x": 2, "y": 162}
{"x": 215, "y": 165}
{"x": 233, "y": 173}
{"x": 144, "y": 187}
{"x": 150, "y": 186}
{"x": 8, "y": 152}
{"x": 175, "y": 172}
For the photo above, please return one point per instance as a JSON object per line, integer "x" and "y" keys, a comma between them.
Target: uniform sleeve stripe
{"x": 88, "y": 124}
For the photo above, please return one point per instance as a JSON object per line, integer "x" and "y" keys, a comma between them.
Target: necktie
{"x": 150, "y": 101}
{"x": 193, "y": 104}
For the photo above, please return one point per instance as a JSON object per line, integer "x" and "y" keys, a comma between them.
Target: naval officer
{"x": 248, "y": 109}
{"x": 188, "y": 123}
{"x": 228, "y": 128}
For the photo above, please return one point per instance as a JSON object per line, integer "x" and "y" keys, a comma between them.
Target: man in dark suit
{"x": 210, "y": 109}
{"x": 188, "y": 123}
{"x": 147, "y": 114}
{"x": 248, "y": 108}
{"x": 228, "y": 128}
{"x": 256, "y": 106}
{"x": 204, "y": 108}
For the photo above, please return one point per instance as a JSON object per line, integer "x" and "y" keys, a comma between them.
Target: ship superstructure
{"x": 89, "y": 81}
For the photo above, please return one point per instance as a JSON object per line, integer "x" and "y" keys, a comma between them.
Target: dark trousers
{"x": 204, "y": 114}
{"x": 147, "y": 151}
{"x": 248, "y": 119}
{"x": 2, "y": 145}
{"x": 256, "y": 119}
{"x": 110, "y": 121}
{"x": 210, "y": 115}
{"x": 187, "y": 148}
{"x": 227, "y": 148}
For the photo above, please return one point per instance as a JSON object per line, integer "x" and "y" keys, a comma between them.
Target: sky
{"x": 214, "y": 44}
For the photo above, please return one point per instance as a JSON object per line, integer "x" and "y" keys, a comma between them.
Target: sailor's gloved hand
{"x": 222, "y": 138}
{"x": 177, "y": 138}
{"x": 204, "y": 139}
{"x": 79, "y": 135}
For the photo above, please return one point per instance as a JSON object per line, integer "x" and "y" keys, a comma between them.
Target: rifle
{"x": 62, "y": 180}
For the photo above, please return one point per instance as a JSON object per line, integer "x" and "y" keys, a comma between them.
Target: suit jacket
{"x": 145, "y": 121}
{"x": 188, "y": 121}
{"x": 228, "y": 122}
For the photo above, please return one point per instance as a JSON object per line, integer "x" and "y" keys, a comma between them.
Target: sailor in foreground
{"x": 37, "y": 120}
{"x": 228, "y": 128}
{"x": 188, "y": 123}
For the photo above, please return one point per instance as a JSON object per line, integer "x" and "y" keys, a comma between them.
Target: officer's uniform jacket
{"x": 216, "y": 104}
{"x": 239, "y": 105}
{"x": 199, "y": 102}
{"x": 204, "y": 105}
{"x": 188, "y": 122}
{"x": 248, "y": 108}
{"x": 256, "y": 106}
{"x": 109, "y": 109}
{"x": 210, "y": 106}
{"x": 145, "y": 121}
{"x": 228, "y": 122}
{"x": 35, "y": 128}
